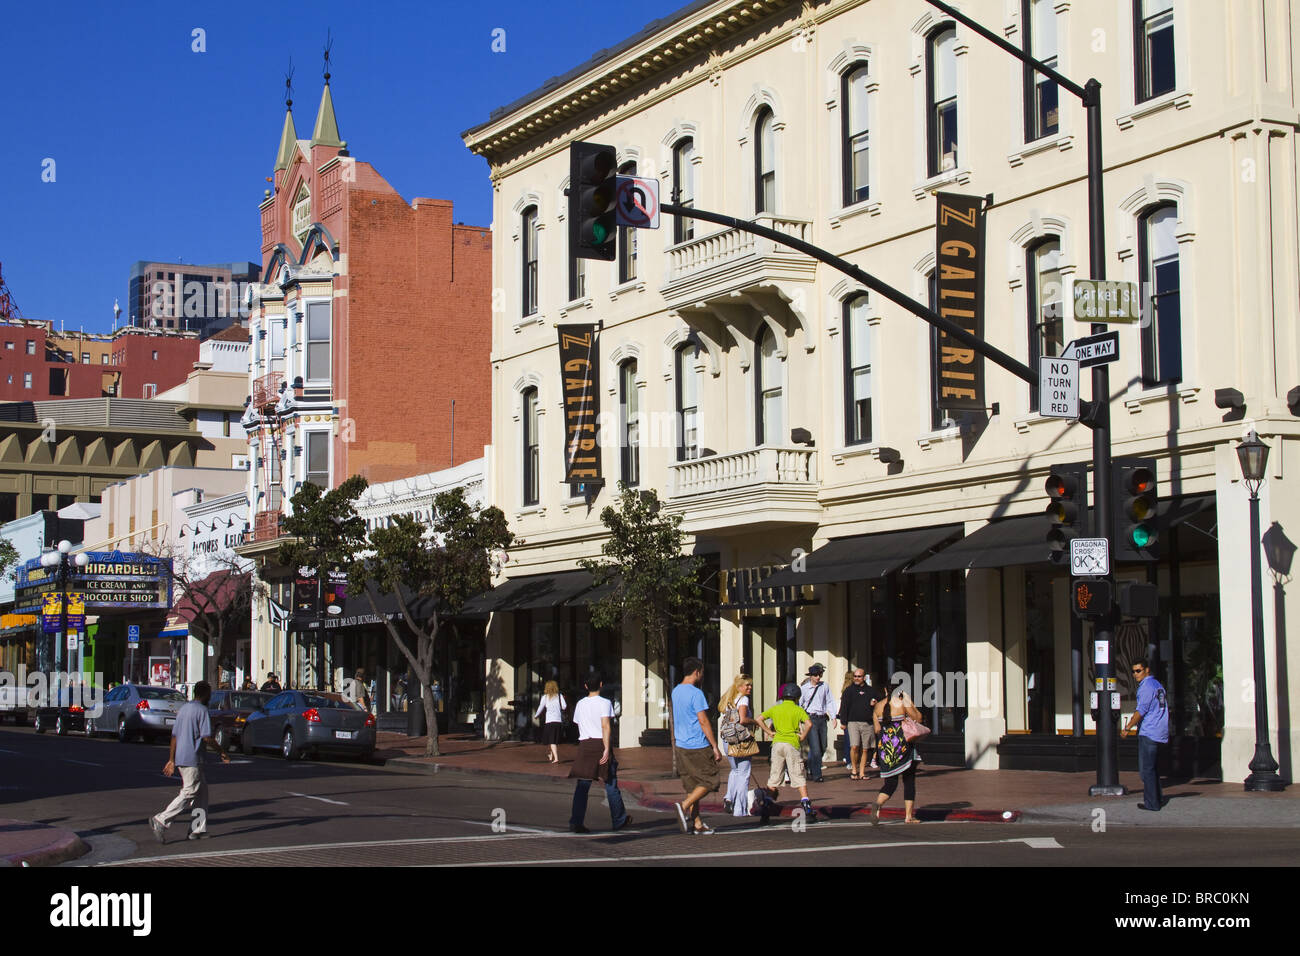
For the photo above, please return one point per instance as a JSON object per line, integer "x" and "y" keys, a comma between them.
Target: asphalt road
{"x": 269, "y": 812}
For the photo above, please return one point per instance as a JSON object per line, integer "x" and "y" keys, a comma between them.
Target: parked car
{"x": 138, "y": 710}
{"x": 228, "y": 709}
{"x": 299, "y": 721}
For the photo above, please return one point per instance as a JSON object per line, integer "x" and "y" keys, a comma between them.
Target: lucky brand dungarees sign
{"x": 580, "y": 373}
{"x": 959, "y": 297}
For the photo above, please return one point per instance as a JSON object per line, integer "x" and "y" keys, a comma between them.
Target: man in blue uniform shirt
{"x": 1152, "y": 720}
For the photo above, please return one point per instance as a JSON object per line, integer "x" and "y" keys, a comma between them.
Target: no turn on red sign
{"x": 1058, "y": 387}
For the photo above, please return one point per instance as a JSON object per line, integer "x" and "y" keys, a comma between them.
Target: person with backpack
{"x": 738, "y": 742}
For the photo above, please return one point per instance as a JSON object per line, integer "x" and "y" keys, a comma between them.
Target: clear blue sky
{"x": 161, "y": 152}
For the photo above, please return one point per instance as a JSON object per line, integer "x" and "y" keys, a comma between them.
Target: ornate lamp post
{"x": 1253, "y": 455}
{"x": 62, "y": 561}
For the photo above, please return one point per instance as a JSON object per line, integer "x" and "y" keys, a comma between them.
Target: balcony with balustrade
{"x": 761, "y": 487}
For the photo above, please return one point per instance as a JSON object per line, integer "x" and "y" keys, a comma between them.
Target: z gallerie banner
{"x": 580, "y": 372}
{"x": 959, "y": 297}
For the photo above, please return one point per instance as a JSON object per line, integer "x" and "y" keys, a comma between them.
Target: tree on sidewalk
{"x": 8, "y": 556}
{"x": 431, "y": 568}
{"x": 655, "y": 586}
{"x": 220, "y": 600}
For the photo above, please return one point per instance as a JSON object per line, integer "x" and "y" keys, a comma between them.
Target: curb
{"x": 67, "y": 846}
{"x": 646, "y": 797}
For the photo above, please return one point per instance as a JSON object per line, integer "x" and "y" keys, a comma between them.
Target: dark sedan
{"x": 302, "y": 721}
{"x": 228, "y": 710}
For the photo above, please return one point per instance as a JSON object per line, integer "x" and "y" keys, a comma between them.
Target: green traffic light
{"x": 599, "y": 232}
{"x": 1141, "y": 536}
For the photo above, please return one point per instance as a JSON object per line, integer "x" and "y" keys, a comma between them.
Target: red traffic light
{"x": 1140, "y": 481}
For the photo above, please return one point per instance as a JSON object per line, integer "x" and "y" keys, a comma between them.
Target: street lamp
{"x": 60, "y": 558}
{"x": 1253, "y": 456}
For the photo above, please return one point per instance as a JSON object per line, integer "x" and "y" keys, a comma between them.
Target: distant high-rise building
{"x": 180, "y": 295}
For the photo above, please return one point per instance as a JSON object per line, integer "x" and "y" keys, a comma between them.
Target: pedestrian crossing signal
{"x": 1090, "y": 597}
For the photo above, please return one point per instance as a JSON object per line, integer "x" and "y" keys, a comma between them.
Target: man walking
{"x": 1152, "y": 721}
{"x": 271, "y": 685}
{"x": 191, "y": 731}
{"x": 857, "y": 705}
{"x": 815, "y": 699}
{"x": 698, "y": 755}
{"x": 593, "y": 716}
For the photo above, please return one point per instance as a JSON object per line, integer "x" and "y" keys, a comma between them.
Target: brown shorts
{"x": 697, "y": 768}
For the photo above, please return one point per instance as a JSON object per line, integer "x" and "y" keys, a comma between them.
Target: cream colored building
{"x": 837, "y": 122}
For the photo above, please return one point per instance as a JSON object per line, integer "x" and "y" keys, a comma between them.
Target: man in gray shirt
{"x": 191, "y": 731}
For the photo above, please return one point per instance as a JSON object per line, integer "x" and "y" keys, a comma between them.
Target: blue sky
{"x": 162, "y": 152}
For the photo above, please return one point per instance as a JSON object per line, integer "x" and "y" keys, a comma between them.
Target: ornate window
{"x": 684, "y": 187}
{"x": 1042, "y": 108}
{"x": 318, "y": 342}
{"x": 857, "y": 372}
{"x": 688, "y": 402}
{"x": 856, "y": 135}
{"x": 1162, "y": 336}
{"x": 528, "y": 287}
{"x": 302, "y": 214}
{"x": 764, "y": 163}
{"x": 770, "y": 396}
{"x": 1153, "y": 56}
{"x": 530, "y": 475}
{"x": 318, "y": 458}
{"x": 630, "y": 423}
{"x": 941, "y": 98}
{"x": 1046, "y": 315}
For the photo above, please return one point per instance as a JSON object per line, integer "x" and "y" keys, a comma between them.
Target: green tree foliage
{"x": 8, "y": 556}
{"x": 431, "y": 568}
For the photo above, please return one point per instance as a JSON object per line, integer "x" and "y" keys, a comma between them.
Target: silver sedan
{"x": 301, "y": 721}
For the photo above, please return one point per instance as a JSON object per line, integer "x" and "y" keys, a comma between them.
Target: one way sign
{"x": 1094, "y": 350}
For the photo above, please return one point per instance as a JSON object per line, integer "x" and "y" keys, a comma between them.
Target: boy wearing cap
{"x": 788, "y": 723}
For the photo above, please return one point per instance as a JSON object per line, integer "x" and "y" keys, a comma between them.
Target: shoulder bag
{"x": 914, "y": 730}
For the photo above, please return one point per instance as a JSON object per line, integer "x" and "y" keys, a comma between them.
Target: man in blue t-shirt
{"x": 1152, "y": 720}
{"x": 697, "y": 752}
{"x": 192, "y": 730}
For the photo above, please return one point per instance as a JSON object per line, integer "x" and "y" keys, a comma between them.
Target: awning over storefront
{"x": 999, "y": 544}
{"x": 212, "y": 595}
{"x": 531, "y": 592}
{"x": 176, "y": 626}
{"x": 865, "y": 556}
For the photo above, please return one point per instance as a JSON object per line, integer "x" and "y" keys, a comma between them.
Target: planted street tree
{"x": 221, "y": 601}
{"x": 655, "y": 586}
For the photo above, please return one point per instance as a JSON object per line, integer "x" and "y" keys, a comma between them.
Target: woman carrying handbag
{"x": 736, "y": 735}
{"x": 897, "y": 723}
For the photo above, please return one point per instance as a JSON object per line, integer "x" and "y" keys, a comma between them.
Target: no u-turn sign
{"x": 1058, "y": 387}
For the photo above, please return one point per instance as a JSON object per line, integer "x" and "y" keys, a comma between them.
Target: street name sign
{"x": 1094, "y": 350}
{"x": 1058, "y": 387}
{"x": 1089, "y": 557}
{"x": 1099, "y": 300}
{"x": 636, "y": 202}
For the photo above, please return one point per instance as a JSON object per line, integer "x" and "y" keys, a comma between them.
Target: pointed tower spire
{"x": 289, "y": 135}
{"x": 326, "y": 132}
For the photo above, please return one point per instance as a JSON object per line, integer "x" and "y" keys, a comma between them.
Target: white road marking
{"x": 358, "y": 844}
{"x": 735, "y": 853}
{"x": 84, "y": 763}
{"x": 8, "y": 751}
{"x": 510, "y": 827}
{"x": 339, "y": 803}
{"x": 1043, "y": 843}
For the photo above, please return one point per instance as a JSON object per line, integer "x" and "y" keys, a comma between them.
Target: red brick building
{"x": 37, "y": 363}
{"x": 373, "y": 318}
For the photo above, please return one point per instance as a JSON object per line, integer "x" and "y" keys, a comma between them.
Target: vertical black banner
{"x": 580, "y": 373}
{"x": 306, "y": 597}
{"x": 959, "y": 287}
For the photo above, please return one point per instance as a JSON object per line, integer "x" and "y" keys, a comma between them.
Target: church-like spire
{"x": 289, "y": 136}
{"x": 326, "y": 132}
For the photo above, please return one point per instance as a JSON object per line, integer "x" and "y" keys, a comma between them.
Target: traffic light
{"x": 593, "y": 176}
{"x": 1067, "y": 486}
{"x": 1135, "y": 505}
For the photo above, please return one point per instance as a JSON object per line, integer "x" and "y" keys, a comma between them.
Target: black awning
{"x": 999, "y": 544}
{"x": 865, "y": 556}
{"x": 531, "y": 592}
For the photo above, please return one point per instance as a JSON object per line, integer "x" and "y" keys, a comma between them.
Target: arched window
{"x": 529, "y": 285}
{"x": 627, "y": 238}
{"x": 764, "y": 163}
{"x": 857, "y": 372}
{"x": 856, "y": 135}
{"x": 1153, "y": 55}
{"x": 941, "y": 98}
{"x": 1046, "y": 317}
{"x": 531, "y": 447}
{"x": 684, "y": 187}
{"x": 688, "y": 402}
{"x": 630, "y": 425}
{"x": 1162, "y": 335}
{"x": 770, "y": 396}
{"x": 1042, "y": 114}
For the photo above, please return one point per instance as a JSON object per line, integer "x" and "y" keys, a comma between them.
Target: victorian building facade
{"x": 779, "y": 408}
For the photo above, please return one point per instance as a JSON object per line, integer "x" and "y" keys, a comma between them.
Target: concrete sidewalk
{"x": 35, "y": 844}
{"x": 943, "y": 793}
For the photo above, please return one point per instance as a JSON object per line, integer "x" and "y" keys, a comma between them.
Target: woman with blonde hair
{"x": 553, "y": 704}
{"x": 736, "y": 735}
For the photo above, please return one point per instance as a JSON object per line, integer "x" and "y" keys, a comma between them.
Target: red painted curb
{"x": 68, "y": 846}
